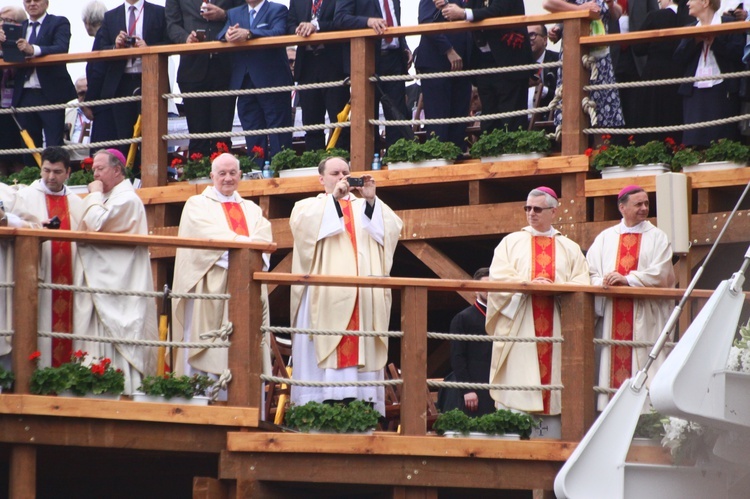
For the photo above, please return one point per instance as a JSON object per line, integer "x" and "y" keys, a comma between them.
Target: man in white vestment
{"x": 219, "y": 213}
{"x": 113, "y": 206}
{"x": 13, "y": 213}
{"x": 538, "y": 254}
{"x": 78, "y": 122}
{"x": 633, "y": 253}
{"x": 48, "y": 198}
{"x": 338, "y": 233}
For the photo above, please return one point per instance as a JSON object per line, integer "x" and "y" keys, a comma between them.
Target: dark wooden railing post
{"x": 363, "y": 103}
{"x": 574, "y": 76}
{"x": 578, "y": 398}
{"x": 154, "y": 84}
{"x": 414, "y": 361}
{"x": 25, "y": 327}
{"x": 245, "y": 356}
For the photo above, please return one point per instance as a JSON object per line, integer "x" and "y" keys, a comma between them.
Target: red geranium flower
{"x": 669, "y": 141}
{"x": 87, "y": 163}
{"x": 98, "y": 369}
{"x": 214, "y": 156}
{"x": 196, "y": 156}
{"x": 35, "y": 355}
{"x": 177, "y": 161}
{"x": 588, "y": 152}
{"x": 221, "y": 147}
{"x": 603, "y": 148}
{"x": 106, "y": 361}
{"x": 79, "y": 354}
{"x": 258, "y": 152}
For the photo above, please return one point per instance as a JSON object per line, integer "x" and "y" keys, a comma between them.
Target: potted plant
{"x": 288, "y": 164}
{"x": 649, "y": 430}
{"x": 615, "y": 161}
{"x": 504, "y": 145}
{"x": 685, "y": 157}
{"x": 82, "y": 376}
{"x": 24, "y": 177}
{"x": 722, "y": 154}
{"x": 413, "y": 154}
{"x": 500, "y": 422}
{"x": 174, "y": 389}
{"x": 79, "y": 180}
{"x": 6, "y": 379}
{"x": 354, "y": 417}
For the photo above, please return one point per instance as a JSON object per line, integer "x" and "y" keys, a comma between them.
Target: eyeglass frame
{"x": 536, "y": 209}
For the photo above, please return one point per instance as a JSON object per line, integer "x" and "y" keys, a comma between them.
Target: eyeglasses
{"x": 532, "y": 35}
{"x": 81, "y": 93}
{"x": 292, "y": 61}
{"x": 536, "y": 209}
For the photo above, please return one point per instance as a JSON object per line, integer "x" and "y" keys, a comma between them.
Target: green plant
{"x": 26, "y": 176}
{"x": 80, "y": 376}
{"x": 649, "y": 426}
{"x": 356, "y": 416}
{"x": 169, "y": 385}
{"x": 685, "y": 156}
{"x": 726, "y": 150}
{"x": 497, "y": 423}
{"x": 653, "y": 152}
{"x": 499, "y": 142}
{"x": 412, "y": 151}
{"x": 287, "y": 159}
{"x": 6, "y": 378}
{"x": 81, "y": 177}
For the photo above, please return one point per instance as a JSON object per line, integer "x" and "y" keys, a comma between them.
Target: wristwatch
{"x": 4, "y": 221}
{"x": 249, "y": 35}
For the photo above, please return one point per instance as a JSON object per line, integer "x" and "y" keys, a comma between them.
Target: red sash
{"x": 622, "y": 312}
{"x": 236, "y": 218}
{"x": 543, "y": 308}
{"x": 62, "y": 273}
{"x": 347, "y": 351}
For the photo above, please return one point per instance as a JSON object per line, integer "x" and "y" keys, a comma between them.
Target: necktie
{"x": 32, "y": 38}
{"x": 132, "y": 21}
{"x": 252, "y": 17}
{"x": 388, "y": 18}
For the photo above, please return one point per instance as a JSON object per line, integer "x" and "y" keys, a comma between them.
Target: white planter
{"x": 142, "y": 397}
{"x": 403, "y": 165}
{"x": 253, "y": 175}
{"x": 512, "y": 157}
{"x": 78, "y": 189}
{"x": 309, "y": 171}
{"x": 711, "y": 166}
{"x": 321, "y": 432}
{"x": 200, "y": 180}
{"x": 458, "y": 434}
{"x": 100, "y": 396}
{"x": 633, "y": 171}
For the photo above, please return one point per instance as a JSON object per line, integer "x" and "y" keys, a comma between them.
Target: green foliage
{"x": 169, "y": 385}
{"x": 685, "y": 157}
{"x": 81, "y": 375}
{"x": 198, "y": 166}
{"x": 287, "y": 159}
{"x": 726, "y": 150}
{"x": 609, "y": 155}
{"x": 357, "y": 416}
{"x": 497, "y": 423}
{"x": 6, "y": 378}
{"x": 25, "y": 176}
{"x": 650, "y": 426}
{"x": 81, "y": 177}
{"x": 499, "y": 142}
{"x": 411, "y": 151}
{"x": 653, "y": 152}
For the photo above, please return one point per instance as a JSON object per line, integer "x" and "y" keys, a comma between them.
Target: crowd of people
{"x": 139, "y": 23}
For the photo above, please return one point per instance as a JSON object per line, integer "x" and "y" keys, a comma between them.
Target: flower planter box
{"x": 200, "y": 180}
{"x": 78, "y": 189}
{"x": 712, "y": 166}
{"x": 403, "y": 165}
{"x": 512, "y": 157}
{"x": 633, "y": 171}
{"x": 99, "y": 396}
{"x": 309, "y": 171}
{"x": 197, "y": 400}
{"x": 458, "y": 434}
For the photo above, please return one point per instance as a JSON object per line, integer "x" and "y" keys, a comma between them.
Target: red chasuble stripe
{"x": 542, "y": 307}
{"x": 236, "y": 218}
{"x": 347, "y": 351}
{"x": 622, "y": 312}
{"x": 62, "y": 273}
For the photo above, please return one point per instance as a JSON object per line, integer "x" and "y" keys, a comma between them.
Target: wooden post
{"x": 577, "y": 320}
{"x": 154, "y": 83}
{"x": 414, "y": 361}
{"x": 25, "y": 326}
{"x": 575, "y": 76}
{"x": 245, "y": 356}
{"x": 363, "y": 103}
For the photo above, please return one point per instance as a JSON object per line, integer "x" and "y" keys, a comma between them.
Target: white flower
{"x": 745, "y": 360}
{"x": 733, "y": 362}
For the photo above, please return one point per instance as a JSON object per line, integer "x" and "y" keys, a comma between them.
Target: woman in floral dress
{"x": 608, "y": 107}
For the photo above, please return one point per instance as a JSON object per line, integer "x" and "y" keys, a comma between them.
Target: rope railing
{"x": 7, "y": 285}
{"x": 490, "y": 386}
{"x": 135, "y": 342}
{"x": 257, "y": 91}
{"x": 630, "y": 343}
{"x": 144, "y": 294}
{"x": 466, "y": 72}
{"x": 249, "y": 133}
{"x": 498, "y": 339}
{"x": 322, "y": 384}
{"x": 330, "y": 332}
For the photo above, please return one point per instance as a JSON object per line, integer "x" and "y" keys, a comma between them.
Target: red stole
{"x": 347, "y": 351}
{"x": 236, "y": 218}
{"x": 622, "y": 312}
{"x": 543, "y": 308}
{"x": 62, "y": 273}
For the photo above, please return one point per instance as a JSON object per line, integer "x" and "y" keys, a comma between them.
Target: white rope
{"x": 6, "y": 332}
{"x": 331, "y": 332}
{"x": 123, "y": 341}
{"x": 221, "y": 384}
{"x": 248, "y": 133}
{"x": 665, "y": 81}
{"x": 322, "y": 384}
{"x": 7, "y": 285}
{"x": 256, "y": 91}
{"x": 467, "y": 72}
{"x": 463, "y": 119}
{"x": 71, "y": 147}
{"x": 484, "y": 337}
{"x": 488, "y": 386}
{"x": 222, "y": 333}
{"x": 671, "y": 128}
{"x": 599, "y": 389}
{"x": 627, "y": 343}
{"x": 145, "y": 294}
{"x": 69, "y": 105}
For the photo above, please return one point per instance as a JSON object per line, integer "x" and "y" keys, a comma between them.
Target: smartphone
{"x": 200, "y": 34}
{"x": 54, "y": 223}
{"x": 356, "y": 181}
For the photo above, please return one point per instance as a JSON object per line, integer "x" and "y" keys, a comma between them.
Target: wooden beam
{"x": 285, "y": 265}
{"x": 414, "y": 361}
{"x": 25, "y": 309}
{"x": 22, "y": 471}
{"x": 574, "y": 76}
{"x": 363, "y": 104}
{"x": 155, "y": 83}
{"x": 209, "y": 488}
{"x": 439, "y": 263}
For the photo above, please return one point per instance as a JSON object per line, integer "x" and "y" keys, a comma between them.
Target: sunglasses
{"x": 536, "y": 209}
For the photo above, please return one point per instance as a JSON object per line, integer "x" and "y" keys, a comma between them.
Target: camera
{"x": 54, "y": 223}
{"x": 200, "y": 34}
{"x": 356, "y": 181}
{"x": 130, "y": 41}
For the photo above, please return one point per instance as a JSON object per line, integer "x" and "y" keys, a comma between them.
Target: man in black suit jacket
{"x": 135, "y": 23}
{"x": 502, "y": 92}
{"x": 392, "y": 56}
{"x": 45, "y": 85}
{"x": 203, "y": 72}
{"x": 543, "y": 81}
{"x": 317, "y": 64}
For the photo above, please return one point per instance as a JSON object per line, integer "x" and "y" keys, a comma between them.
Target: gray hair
{"x": 114, "y": 162}
{"x": 93, "y": 13}
{"x": 15, "y": 13}
{"x": 551, "y": 202}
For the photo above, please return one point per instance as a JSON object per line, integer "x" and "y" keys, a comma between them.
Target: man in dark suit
{"x": 318, "y": 64}
{"x": 192, "y": 21}
{"x": 259, "y": 69}
{"x": 501, "y": 92}
{"x": 444, "y": 97}
{"x": 45, "y": 85}
{"x": 135, "y": 23}
{"x": 543, "y": 81}
{"x": 392, "y": 55}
